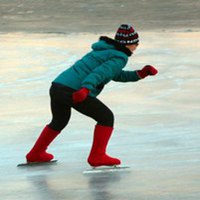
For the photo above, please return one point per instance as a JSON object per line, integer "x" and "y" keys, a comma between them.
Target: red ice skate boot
{"x": 98, "y": 156}
{"x": 38, "y": 152}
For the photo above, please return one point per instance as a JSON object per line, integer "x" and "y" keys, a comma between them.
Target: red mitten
{"x": 80, "y": 95}
{"x": 146, "y": 71}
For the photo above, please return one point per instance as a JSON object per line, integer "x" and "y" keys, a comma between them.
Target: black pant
{"x": 61, "y": 104}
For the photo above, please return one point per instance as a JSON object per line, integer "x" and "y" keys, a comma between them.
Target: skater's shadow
{"x": 93, "y": 186}
{"x": 102, "y": 185}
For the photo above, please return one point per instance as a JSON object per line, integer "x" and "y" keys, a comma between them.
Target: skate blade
{"x": 114, "y": 168}
{"x": 29, "y": 164}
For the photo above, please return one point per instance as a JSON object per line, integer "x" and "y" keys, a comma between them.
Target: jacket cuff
{"x": 88, "y": 86}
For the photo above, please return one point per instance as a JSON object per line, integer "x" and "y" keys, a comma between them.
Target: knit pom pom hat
{"x": 126, "y": 35}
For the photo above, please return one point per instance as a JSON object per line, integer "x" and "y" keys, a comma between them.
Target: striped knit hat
{"x": 126, "y": 35}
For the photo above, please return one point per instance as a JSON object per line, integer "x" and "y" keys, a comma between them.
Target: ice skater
{"x": 78, "y": 87}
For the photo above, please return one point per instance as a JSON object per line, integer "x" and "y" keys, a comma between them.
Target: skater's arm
{"x": 131, "y": 76}
{"x": 127, "y": 76}
{"x": 104, "y": 73}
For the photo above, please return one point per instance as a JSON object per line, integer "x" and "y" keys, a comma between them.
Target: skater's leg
{"x": 98, "y": 156}
{"x": 60, "y": 116}
{"x": 38, "y": 152}
{"x": 60, "y": 107}
{"x": 95, "y": 109}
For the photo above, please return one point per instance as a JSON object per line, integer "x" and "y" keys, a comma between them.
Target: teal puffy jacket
{"x": 103, "y": 64}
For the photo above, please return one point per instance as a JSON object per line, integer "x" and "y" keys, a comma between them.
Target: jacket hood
{"x": 105, "y": 43}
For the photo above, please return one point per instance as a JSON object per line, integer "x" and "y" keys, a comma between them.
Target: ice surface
{"x": 156, "y": 121}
